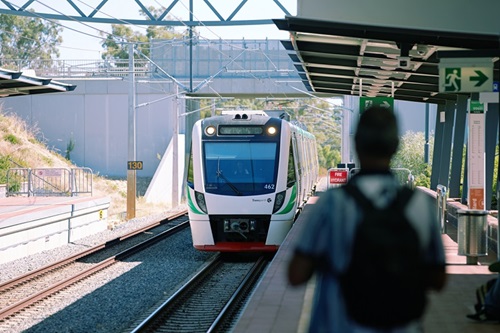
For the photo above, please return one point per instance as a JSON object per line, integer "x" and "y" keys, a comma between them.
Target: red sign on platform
{"x": 338, "y": 176}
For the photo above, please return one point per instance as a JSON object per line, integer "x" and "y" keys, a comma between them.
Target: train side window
{"x": 190, "y": 174}
{"x": 300, "y": 158}
{"x": 292, "y": 177}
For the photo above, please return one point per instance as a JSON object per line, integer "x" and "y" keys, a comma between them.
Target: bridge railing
{"x": 403, "y": 175}
{"x": 78, "y": 68}
{"x": 230, "y": 59}
{"x": 49, "y": 181}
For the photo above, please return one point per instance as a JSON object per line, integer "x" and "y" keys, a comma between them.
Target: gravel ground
{"x": 21, "y": 266}
{"x": 110, "y": 300}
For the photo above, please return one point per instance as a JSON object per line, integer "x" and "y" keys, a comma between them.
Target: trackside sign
{"x": 337, "y": 177}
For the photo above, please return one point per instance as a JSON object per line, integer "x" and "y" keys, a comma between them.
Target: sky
{"x": 82, "y": 40}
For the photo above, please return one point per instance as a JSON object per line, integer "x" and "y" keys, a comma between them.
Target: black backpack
{"x": 384, "y": 284}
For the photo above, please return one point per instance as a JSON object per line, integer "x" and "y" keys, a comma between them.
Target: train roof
{"x": 269, "y": 113}
{"x": 240, "y": 117}
{"x": 248, "y": 112}
{"x": 254, "y": 117}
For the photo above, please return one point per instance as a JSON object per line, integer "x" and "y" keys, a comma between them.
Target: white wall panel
{"x": 480, "y": 16}
{"x": 95, "y": 116}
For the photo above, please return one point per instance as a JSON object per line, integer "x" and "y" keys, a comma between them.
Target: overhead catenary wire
{"x": 230, "y": 60}
{"x": 211, "y": 45}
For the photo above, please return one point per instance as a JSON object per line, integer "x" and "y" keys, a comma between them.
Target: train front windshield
{"x": 240, "y": 168}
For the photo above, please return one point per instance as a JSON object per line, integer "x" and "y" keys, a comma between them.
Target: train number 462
{"x": 269, "y": 186}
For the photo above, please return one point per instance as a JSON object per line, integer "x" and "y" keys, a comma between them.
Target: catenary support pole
{"x": 131, "y": 174}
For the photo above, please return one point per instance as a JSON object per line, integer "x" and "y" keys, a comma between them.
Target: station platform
{"x": 32, "y": 224}
{"x": 276, "y": 306}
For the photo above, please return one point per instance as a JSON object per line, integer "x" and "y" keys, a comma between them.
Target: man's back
{"x": 329, "y": 236}
{"x": 384, "y": 283}
{"x": 326, "y": 241}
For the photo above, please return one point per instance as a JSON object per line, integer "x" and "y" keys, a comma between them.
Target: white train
{"x": 248, "y": 176}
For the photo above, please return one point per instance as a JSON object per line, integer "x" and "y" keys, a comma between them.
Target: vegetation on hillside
{"x": 20, "y": 148}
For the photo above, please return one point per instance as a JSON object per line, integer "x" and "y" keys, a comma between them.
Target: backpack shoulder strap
{"x": 360, "y": 198}
{"x": 403, "y": 197}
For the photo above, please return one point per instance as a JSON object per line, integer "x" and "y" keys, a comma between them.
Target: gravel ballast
{"x": 110, "y": 300}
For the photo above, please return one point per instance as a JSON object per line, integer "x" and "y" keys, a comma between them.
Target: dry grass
{"x": 20, "y": 148}
{"x": 116, "y": 189}
{"x": 18, "y": 143}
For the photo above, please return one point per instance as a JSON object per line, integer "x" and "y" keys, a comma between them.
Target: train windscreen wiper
{"x": 219, "y": 174}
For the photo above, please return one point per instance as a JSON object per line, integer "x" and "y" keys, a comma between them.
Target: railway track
{"x": 53, "y": 278}
{"x": 209, "y": 301}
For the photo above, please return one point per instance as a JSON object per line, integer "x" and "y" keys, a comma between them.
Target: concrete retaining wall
{"x": 51, "y": 226}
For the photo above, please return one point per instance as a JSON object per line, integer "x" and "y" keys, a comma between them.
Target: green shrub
{"x": 12, "y": 139}
{"x": 4, "y": 166}
{"x": 14, "y": 186}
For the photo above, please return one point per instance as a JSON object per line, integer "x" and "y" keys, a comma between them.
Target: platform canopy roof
{"x": 342, "y": 58}
{"x": 13, "y": 83}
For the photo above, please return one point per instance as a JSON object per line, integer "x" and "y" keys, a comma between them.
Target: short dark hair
{"x": 377, "y": 133}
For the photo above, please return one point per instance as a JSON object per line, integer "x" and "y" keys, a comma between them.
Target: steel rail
{"x": 51, "y": 267}
{"x": 152, "y": 323}
{"x": 22, "y": 304}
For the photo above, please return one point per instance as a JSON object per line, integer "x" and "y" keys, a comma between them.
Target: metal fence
{"x": 78, "y": 68}
{"x": 403, "y": 175}
{"x": 49, "y": 182}
{"x": 170, "y": 58}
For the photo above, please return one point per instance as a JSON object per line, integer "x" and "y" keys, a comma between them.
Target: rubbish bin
{"x": 472, "y": 234}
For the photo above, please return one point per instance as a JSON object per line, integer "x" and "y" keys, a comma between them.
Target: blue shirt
{"x": 328, "y": 235}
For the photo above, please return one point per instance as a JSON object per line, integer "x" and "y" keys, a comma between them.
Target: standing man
{"x": 326, "y": 243}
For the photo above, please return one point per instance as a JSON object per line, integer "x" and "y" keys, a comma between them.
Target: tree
{"x": 410, "y": 155}
{"x": 26, "y": 39}
{"x": 328, "y": 156}
{"x": 116, "y": 43}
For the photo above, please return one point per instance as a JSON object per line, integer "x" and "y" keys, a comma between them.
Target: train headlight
{"x": 271, "y": 130}
{"x": 278, "y": 201}
{"x": 200, "y": 201}
{"x": 210, "y": 130}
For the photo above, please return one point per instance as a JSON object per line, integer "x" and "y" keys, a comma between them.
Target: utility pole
{"x": 426, "y": 146}
{"x": 131, "y": 172}
{"x": 175, "y": 153}
{"x": 191, "y": 17}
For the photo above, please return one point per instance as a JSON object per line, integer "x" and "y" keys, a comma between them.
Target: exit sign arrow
{"x": 480, "y": 78}
{"x": 465, "y": 75}
{"x": 385, "y": 105}
{"x": 367, "y": 102}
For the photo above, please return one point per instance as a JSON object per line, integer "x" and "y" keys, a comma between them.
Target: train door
{"x": 298, "y": 164}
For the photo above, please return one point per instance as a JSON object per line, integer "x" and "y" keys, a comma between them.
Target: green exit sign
{"x": 367, "y": 102}
{"x": 465, "y": 75}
